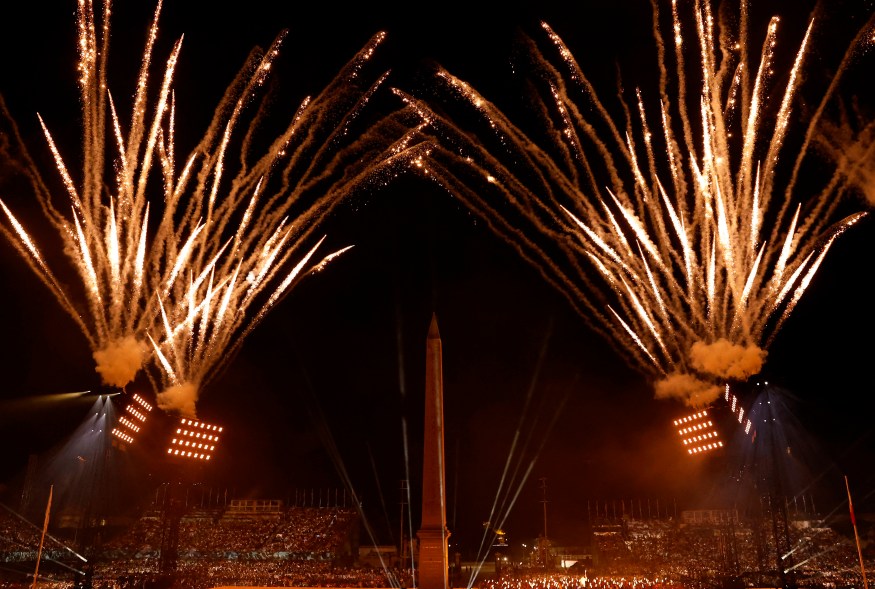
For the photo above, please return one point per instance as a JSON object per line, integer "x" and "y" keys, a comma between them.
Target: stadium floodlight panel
{"x": 698, "y": 433}
{"x": 129, "y": 424}
{"x": 122, "y": 435}
{"x": 132, "y": 419}
{"x": 136, "y": 414}
{"x": 702, "y": 448}
{"x": 738, "y": 411}
{"x": 194, "y": 440}
{"x": 142, "y": 403}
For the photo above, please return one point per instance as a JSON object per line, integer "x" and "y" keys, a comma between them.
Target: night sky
{"x": 340, "y": 362}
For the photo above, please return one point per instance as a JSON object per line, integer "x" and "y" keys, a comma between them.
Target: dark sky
{"x": 341, "y": 359}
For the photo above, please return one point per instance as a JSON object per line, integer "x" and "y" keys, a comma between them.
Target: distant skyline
{"x": 341, "y": 359}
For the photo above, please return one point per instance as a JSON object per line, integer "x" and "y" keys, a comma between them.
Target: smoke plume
{"x": 119, "y": 362}
{"x": 727, "y": 360}
{"x": 179, "y": 399}
{"x": 690, "y": 389}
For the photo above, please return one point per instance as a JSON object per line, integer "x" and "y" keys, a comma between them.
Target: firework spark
{"x": 177, "y": 260}
{"x": 675, "y": 227}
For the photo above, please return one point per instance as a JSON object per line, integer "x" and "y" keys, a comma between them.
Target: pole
{"x": 545, "y": 547}
{"x": 856, "y": 536}
{"x": 43, "y": 538}
{"x": 544, "y": 502}
{"x": 401, "y": 544}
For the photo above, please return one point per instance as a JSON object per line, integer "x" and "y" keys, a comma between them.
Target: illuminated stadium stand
{"x": 132, "y": 419}
{"x": 193, "y": 440}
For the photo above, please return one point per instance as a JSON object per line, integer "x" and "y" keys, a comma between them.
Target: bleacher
{"x": 264, "y": 542}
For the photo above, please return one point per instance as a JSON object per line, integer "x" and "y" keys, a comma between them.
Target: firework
{"x": 178, "y": 259}
{"x": 677, "y": 223}
{"x": 849, "y": 142}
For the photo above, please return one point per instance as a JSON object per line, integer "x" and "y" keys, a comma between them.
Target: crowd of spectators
{"x": 566, "y": 581}
{"x": 289, "y": 546}
{"x": 294, "y": 533}
{"x": 19, "y": 543}
{"x": 811, "y": 554}
{"x": 317, "y": 547}
{"x": 16, "y": 536}
{"x": 295, "y": 546}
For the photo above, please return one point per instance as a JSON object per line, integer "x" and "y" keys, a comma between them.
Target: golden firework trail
{"x": 184, "y": 256}
{"x": 676, "y": 222}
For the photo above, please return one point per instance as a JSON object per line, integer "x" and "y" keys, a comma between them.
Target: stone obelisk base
{"x": 433, "y": 559}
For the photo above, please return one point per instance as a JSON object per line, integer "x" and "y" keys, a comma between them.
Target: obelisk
{"x": 433, "y": 533}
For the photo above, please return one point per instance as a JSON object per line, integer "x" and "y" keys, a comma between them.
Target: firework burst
{"x": 178, "y": 259}
{"x": 677, "y": 223}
